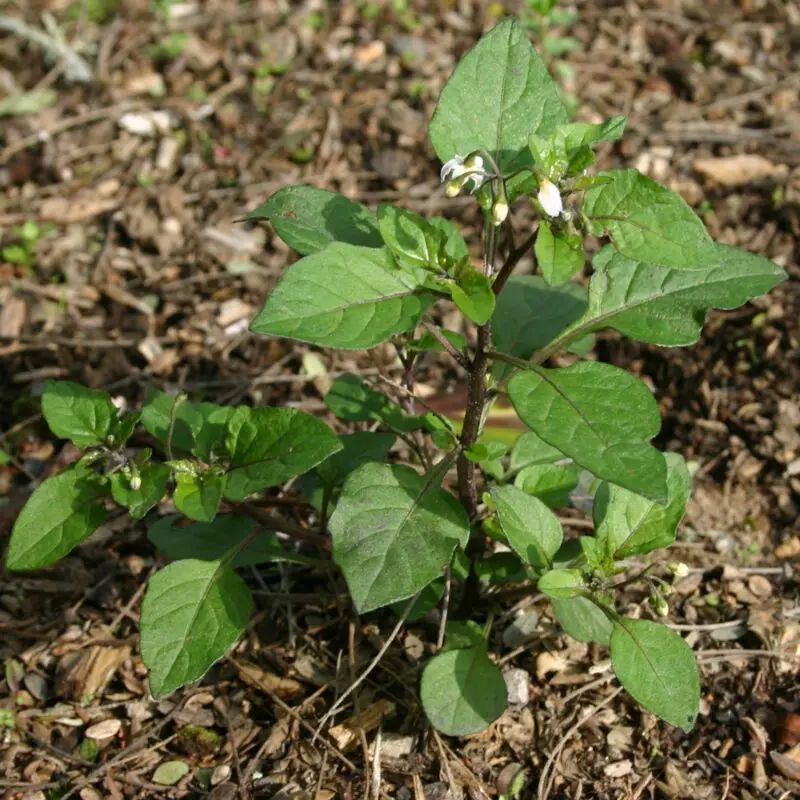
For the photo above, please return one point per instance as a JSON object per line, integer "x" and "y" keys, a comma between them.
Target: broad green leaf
{"x": 393, "y": 532}
{"x": 628, "y": 524}
{"x": 583, "y": 620}
{"x": 309, "y": 219}
{"x": 486, "y": 452}
{"x": 198, "y": 495}
{"x": 59, "y": 515}
{"x": 350, "y": 399}
{"x": 559, "y": 253}
{"x": 154, "y": 479}
{"x": 529, "y": 525}
{"x": 579, "y": 134}
{"x": 428, "y": 342}
{"x": 62, "y": 512}
{"x": 498, "y": 94}
{"x": 600, "y": 416}
{"x": 462, "y": 634}
{"x": 344, "y": 296}
{"x": 474, "y": 296}
{"x": 199, "y": 427}
{"x": 665, "y": 306}
{"x": 267, "y": 446}
{"x": 428, "y": 599}
{"x": 658, "y": 669}
{"x": 192, "y": 613}
{"x": 562, "y": 583}
{"x": 209, "y": 541}
{"x": 530, "y": 314}
{"x": 357, "y": 449}
{"x": 455, "y": 247}
{"x": 532, "y": 449}
{"x": 462, "y": 691}
{"x": 647, "y": 221}
{"x": 502, "y": 567}
{"x": 411, "y": 238}
{"x": 551, "y": 483}
{"x": 86, "y": 416}
{"x": 5, "y": 458}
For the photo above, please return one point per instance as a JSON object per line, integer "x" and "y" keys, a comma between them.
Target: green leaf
{"x": 74, "y": 412}
{"x": 665, "y": 306}
{"x": 154, "y": 479}
{"x": 357, "y": 449}
{"x": 267, "y": 446}
{"x": 600, "y": 416}
{"x": 5, "y": 458}
{"x": 647, "y": 221}
{"x": 170, "y": 772}
{"x": 350, "y": 399}
{"x": 559, "y": 253}
{"x": 462, "y": 691}
{"x": 530, "y": 314}
{"x": 429, "y": 343}
{"x": 309, "y": 219}
{"x": 192, "y": 613}
{"x": 551, "y": 483}
{"x": 59, "y": 515}
{"x": 428, "y": 599}
{"x": 198, "y": 495}
{"x": 474, "y": 296}
{"x": 628, "y": 524}
{"x": 562, "y": 583}
{"x": 454, "y": 247}
{"x": 575, "y": 135}
{"x": 393, "y": 532}
{"x": 462, "y": 634}
{"x": 529, "y": 525}
{"x": 209, "y": 541}
{"x": 658, "y": 669}
{"x": 583, "y": 620}
{"x": 411, "y": 238}
{"x": 345, "y": 296}
{"x": 532, "y": 449}
{"x": 199, "y": 427}
{"x": 498, "y": 94}
{"x": 502, "y": 567}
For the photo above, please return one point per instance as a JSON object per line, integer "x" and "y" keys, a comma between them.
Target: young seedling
{"x": 399, "y": 532}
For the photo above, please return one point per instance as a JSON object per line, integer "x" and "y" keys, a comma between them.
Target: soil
{"x": 140, "y": 275}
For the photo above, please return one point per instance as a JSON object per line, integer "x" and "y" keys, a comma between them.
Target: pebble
{"x": 517, "y": 684}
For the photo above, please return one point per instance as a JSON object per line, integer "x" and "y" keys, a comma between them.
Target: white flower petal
{"x": 550, "y": 198}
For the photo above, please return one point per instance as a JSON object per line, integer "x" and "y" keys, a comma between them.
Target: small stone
{"x": 396, "y": 745}
{"x": 759, "y": 586}
{"x": 517, "y": 683}
{"x": 220, "y": 774}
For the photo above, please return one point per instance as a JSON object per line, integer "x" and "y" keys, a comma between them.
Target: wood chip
{"x": 106, "y": 729}
{"x": 346, "y": 735}
{"x": 737, "y": 170}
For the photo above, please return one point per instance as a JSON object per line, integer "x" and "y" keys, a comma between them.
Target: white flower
{"x": 459, "y": 171}
{"x": 678, "y": 569}
{"x": 499, "y": 213}
{"x": 550, "y": 198}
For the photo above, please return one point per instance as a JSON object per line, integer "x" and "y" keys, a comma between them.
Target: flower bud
{"x": 550, "y": 198}
{"x": 659, "y": 605}
{"x": 453, "y": 187}
{"x": 499, "y": 213}
{"x": 136, "y": 482}
{"x": 678, "y": 569}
